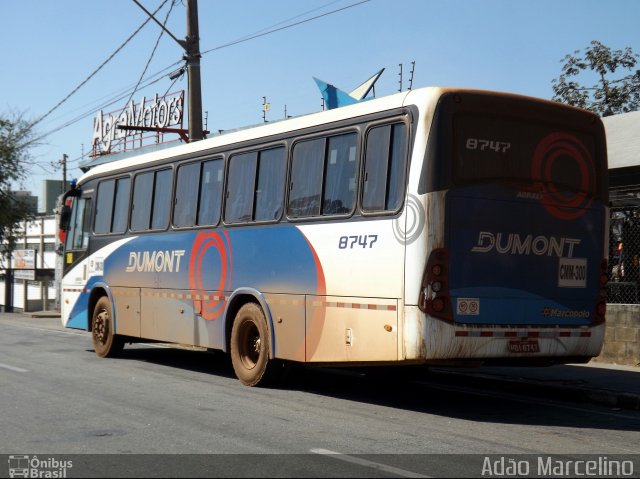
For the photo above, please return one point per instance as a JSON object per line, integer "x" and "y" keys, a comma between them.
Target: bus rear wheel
{"x": 105, "y": 342}
{"x": 250, "y": 347}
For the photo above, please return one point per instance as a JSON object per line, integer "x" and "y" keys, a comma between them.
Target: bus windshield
{"x": 487, "y": 148}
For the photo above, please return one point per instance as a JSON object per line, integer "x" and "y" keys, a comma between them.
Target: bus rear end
{"x": 519, "y": 273}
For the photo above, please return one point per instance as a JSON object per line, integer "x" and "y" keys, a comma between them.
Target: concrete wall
{"x": 622, "y": 337}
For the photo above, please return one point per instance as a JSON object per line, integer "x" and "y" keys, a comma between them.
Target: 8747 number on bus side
{"x": 361, "y": 241}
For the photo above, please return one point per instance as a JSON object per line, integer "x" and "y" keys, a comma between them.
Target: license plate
{"x": 524, "y": 346}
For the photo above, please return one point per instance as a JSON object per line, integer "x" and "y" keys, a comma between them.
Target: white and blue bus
{"x": 436, "y": 226}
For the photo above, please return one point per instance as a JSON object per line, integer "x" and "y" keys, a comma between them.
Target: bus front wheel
{"x": 105, "y": 341}
{"x": 250, "y": 347}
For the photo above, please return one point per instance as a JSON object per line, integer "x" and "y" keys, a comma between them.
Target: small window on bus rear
{"x": 384, "y": 168}
{"x": 494, "y": 148}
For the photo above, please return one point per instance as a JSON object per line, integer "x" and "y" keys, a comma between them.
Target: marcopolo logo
{"x": 27, "y": 466}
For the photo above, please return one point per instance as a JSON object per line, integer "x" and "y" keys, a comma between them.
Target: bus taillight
{"x": 434, "y": 294}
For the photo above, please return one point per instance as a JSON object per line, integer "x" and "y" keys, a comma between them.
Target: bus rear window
{"x": 488, "y": 148}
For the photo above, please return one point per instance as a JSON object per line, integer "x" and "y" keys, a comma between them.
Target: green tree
{"x": 615, "y": 85}
{"x": 15, "y": 137}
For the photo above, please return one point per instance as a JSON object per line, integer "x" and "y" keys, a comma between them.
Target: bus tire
{"x": 250, "y": 343}
{"x": 105, "y": 342}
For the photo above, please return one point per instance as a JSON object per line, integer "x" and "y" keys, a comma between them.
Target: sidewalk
{"x": 611, "y": 385}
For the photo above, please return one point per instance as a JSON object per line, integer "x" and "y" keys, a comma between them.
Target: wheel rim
{"x": 250, "y": 345}
{"x": 101, "y": 326}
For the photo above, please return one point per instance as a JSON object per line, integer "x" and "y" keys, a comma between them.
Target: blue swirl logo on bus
{"x": 220, "y": 246}
{"x": 561, "y": 204}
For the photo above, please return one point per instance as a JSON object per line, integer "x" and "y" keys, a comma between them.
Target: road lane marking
{"x": 363, "y": 462}
{"x": 13, "y": 368}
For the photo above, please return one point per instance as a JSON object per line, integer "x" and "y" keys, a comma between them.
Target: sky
{"x": 50, "y": 47}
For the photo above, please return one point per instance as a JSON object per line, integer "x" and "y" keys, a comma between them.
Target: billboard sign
{"x": 155, "y": 113}
{"x": 24, "y": 259}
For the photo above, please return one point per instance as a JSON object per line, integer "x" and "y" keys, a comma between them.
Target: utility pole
{"x": 191, "y": 46}
{"x": 192, "y": 56}
{"x": 64, "y": 172}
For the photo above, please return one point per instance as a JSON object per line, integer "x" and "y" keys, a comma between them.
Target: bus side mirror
{"x": 65, "y": 216}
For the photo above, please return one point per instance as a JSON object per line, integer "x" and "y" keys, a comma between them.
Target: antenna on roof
{"x": 265, "y": 108}
{"x": 413, "y": 67}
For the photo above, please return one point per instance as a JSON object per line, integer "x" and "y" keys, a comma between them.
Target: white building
{"x": 38, "y": 245}
{"x": 623, "y": 150}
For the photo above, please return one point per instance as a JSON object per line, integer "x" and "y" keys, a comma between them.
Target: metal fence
{"x": 624, "y": 253}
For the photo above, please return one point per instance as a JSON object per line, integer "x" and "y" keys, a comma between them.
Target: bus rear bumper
{"x": 436, "y": 341}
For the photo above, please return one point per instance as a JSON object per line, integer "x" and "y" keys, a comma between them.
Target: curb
{"x": 43, "y": 314}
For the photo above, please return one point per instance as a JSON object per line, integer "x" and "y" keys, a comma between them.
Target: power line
{"x": 97, "y": 69}
{"x": 258, "y": 35}
{"x": 289, "y": 19}
{"x": 104, "y": 105}
{"x": 166, "y": 19}
{"x": 161, "y": 74}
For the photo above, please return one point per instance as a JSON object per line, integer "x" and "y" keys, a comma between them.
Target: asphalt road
{"x": 58, "y": 398}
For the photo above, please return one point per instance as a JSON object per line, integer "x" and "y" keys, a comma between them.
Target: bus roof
{"x": 422, "y": 97}
{"x": 263, "y": 131}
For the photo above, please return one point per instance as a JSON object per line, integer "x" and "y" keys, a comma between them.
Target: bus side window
{"x": 112, "y": 206}
{"x": 186, "y": 205}
{"x": 307, "y": 168}
{"x": 161, "y": 200}
{"x": 241, "y": 185}
{"x": 210, "y": 192}
{"x": 104, "y": 206}
{"x": 340, "y": 175}
{"x": 151, "y": 200}
{"x": 121, "y": 206}
{"x": 384, "y": 168}
{"x": 141, "y": 207}
{"x": 270, "y": 184}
